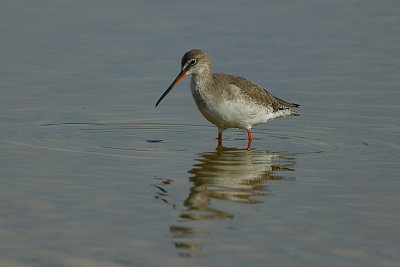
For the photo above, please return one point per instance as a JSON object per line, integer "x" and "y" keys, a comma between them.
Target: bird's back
{"x": 253, "y": 92}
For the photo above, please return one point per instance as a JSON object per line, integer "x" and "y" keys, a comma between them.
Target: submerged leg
{"x": 250, "y": 139}
{"x": 219, "y": 138}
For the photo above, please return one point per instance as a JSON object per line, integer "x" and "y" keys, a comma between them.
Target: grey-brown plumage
{"x": 254, "y": 92}
{"x": 228, "y": 101}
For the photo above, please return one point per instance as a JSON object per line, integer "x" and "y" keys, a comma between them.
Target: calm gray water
{"x": 91, "y": 174}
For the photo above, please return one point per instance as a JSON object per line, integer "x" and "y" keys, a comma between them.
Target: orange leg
{"x": 250, "y": 139}
{"x": 219, "y": 139}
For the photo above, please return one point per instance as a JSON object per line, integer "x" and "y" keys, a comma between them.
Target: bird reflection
{"x": 233, "y": 174}
{"x": 225, "y": 174}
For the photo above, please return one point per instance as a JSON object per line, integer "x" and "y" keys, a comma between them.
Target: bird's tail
{"x": 284, "y": 104}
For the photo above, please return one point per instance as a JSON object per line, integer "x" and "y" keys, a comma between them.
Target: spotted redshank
{"x": 228, "y": 101}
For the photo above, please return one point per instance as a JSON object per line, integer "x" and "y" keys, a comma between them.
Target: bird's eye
{"x": 192, "y": 61}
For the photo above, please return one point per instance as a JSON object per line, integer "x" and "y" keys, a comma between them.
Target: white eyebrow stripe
{"x": 184, "y": 66}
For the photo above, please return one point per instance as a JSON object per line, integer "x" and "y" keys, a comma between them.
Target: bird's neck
{"x": 201, "y": 80}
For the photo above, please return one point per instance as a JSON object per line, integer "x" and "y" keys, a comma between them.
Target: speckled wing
{"x": 256, "y": 93}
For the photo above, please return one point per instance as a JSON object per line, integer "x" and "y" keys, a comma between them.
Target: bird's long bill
{"x": 177, "y": 79}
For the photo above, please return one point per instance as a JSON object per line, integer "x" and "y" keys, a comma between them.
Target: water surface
{"x": 92, "y": 174}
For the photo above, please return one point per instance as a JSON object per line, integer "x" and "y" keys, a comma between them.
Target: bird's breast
{"x": 206, "y": 98}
